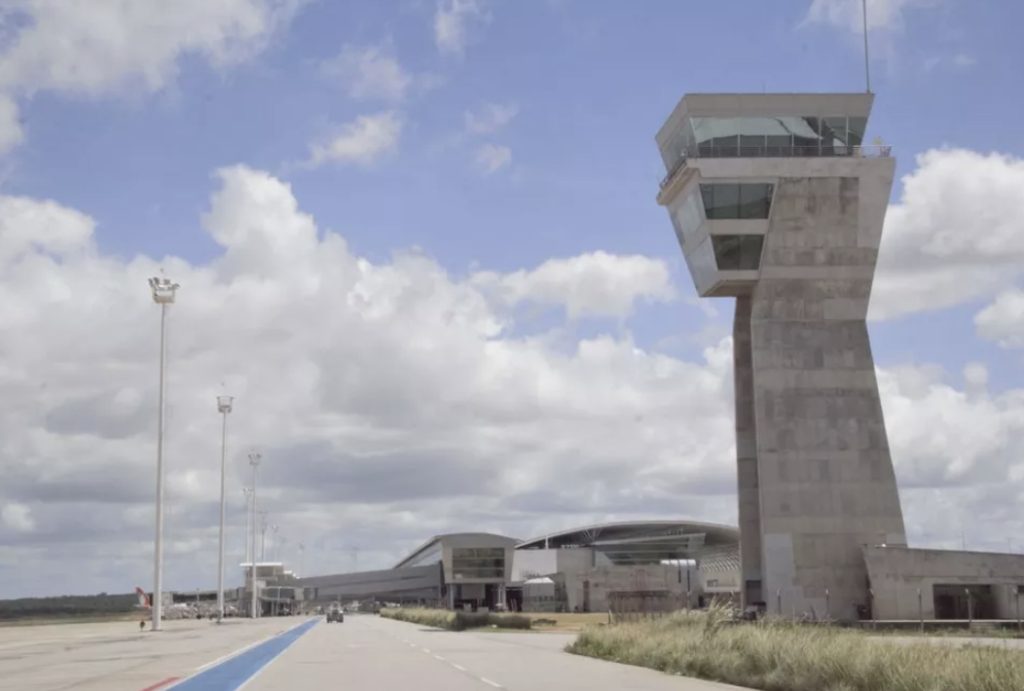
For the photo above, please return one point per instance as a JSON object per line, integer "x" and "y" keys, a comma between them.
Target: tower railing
{"x": 782, "y": 151}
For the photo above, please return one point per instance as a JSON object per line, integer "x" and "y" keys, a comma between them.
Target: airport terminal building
{"x": 642, "y": 566}
{"x": 669, "y": 564}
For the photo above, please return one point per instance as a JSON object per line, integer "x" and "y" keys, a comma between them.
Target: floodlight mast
{"x": 223, "y": 407}
{"x": 163, "y": 291}
{"x": 254, "y": 461}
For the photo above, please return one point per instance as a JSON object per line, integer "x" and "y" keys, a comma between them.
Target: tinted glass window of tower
{"x": 788, "y": 135}
{"x": 737, "y": 252}
{"x": 724, "y": 201}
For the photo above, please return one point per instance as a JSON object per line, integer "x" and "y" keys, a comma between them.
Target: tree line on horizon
{"x": 67, "y": 606}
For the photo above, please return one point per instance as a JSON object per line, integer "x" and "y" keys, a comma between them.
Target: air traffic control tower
{"x": 776, "y": 203}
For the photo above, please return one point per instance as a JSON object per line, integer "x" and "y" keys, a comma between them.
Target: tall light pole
{"x": 273, "y": 540}
{"x": 163, "y": 295}
{"x": 247, "y": 491}
{"x": 254, "y": 461}
{"x": 263, "y": 534}
{"x": 223, "y": 407}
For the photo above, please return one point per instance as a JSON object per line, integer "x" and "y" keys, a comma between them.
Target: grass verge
{"x": 456, "y": 621}
{"x": 779, "y": 656}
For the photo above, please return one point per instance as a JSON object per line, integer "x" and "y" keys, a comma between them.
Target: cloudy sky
{"x": 418, "y": 241}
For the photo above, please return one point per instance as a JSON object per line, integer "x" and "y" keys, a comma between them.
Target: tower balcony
{"x": 766, "y": 150}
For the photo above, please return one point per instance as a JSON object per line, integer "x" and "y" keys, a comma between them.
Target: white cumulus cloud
{"x": 954, "y": 236}
{"x": 44, "y": 226}
{"x": 491, "y": 158}
{"x": 490, "y": 117}
{"x": 451, "y": 22}
{"x": 17, "y": 517}
{"x": 593, "y": 284}
{"x": 958, "y": 456}
{"x": 111, "y": 46}
{"x": 369, "y": 72}
{"x": 362, "y": 141}
{"x": 95, "y": 47}
{"x": 1003, "y": 320}
{"x": 848, "y": 14}
{"x": 11, "y": 131}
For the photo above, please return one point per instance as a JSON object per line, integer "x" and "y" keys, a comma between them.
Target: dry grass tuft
{"x": 780, "y": 656}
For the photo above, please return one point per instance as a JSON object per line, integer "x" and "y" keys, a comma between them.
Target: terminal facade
{"x": 638, "y": 566}
{"x": 672, "y": 563}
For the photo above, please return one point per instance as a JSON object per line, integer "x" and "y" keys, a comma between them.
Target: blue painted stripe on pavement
{"x": 234, "y": 672}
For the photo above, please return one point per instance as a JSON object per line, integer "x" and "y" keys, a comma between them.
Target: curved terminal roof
{"x": 430, "y": 551}
{"x": 639, "y": 542}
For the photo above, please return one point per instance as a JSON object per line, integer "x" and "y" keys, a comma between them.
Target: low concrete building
{"x": 944, "y": 584}
{"x": 410, "y": 585}
{"x": 476, "y": 567}
{"x": 542, "y": 595}
{"x": 593, "y": 590}
{"x": 684, "y": 562}
{"x": 275, "y": 587}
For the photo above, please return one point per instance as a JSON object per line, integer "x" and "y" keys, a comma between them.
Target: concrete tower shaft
{"x": 777, "y": 202}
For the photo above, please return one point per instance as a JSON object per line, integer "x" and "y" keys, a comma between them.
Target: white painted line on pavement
{"x": 465, "y": 671}
{"x": 426, "y": 650}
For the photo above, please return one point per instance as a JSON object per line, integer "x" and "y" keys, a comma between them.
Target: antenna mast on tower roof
{"x": 867, "y": 69}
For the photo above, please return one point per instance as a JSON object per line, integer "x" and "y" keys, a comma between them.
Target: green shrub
{"x": 456, "y": 621}
{"x": 781, "y": 656}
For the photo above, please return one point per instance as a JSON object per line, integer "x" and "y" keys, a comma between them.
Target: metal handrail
{"x": 714, "y": 151}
